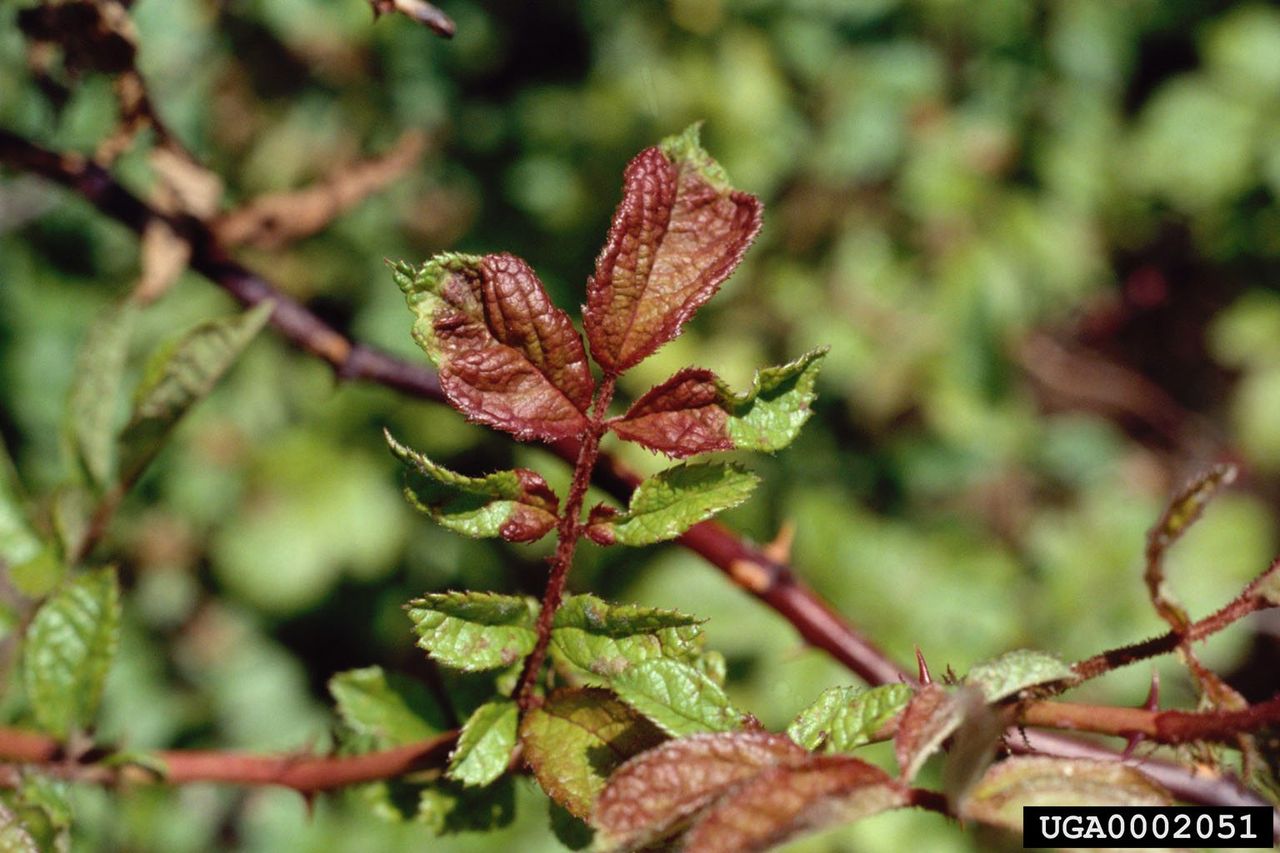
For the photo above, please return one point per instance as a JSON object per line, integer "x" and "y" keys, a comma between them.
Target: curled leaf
{"x": 577, "y": 738}
{"x": 507, "y": 356}
{"x": 485, "y": 744}
{"x": 844, "y": 718}
{"x": 1014, "y": 783}
{"x": 695, "y": 412}
{"x": 929, "y": 719}
{"x": 670, "y": 502}
{"x": 654, "y": 795}
{"x": 517, "y": 505}
{"x": 474, "y": 631}
{"x": 678, "y": 233}
{"x": 783, "y": 802}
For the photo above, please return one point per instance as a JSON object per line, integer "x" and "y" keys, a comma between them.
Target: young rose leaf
{"x": 679, "y": 698}
{"x": 677, "y": 234}
{"x": 388, "y": 711}
{"x": 670, "y": 502}
{"x": 447, "y": 808}
{"x": 1016, "y": 782}
{"x": 95, "y": 393}
{"x": 507, "y": 356}
{"x": 475, "y": 631}
{"x": 599, "y": 640}
{"x": 485, "y": 744}
{"x": 517, "y": 505}
{"x": 69, "y": 648}
{"x": 178, "y": 377}
{"x": 783, "y": 802}
{"x": 1015, "y": 671}
{"x": 695, "y": 412}
{"x": 930, "y": 718}
{"x": 577, "y": 738}
{"x": 654, "y": 795}
{"x": 844, "y": 718}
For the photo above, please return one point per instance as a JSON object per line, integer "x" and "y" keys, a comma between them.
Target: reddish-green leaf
{"x": 577, "y": 738}
{"x": 654, "y": 795}
{"x": 517, "y": 505}
{"x": 678, "y": 233}
{"x": 1042, "y": 781}
{"x": 507, "y": 356}
{"x": 783, "y": 802}
{"x": 695, "y": 412}
{"x": 929, "y": 719}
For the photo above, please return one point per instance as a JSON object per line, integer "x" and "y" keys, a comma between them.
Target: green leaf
{"x": 448, "y": 807}
{"x": 95, "y": 393}
{"x": 1015, "y": 671}
{"x": 390, "y": 713}
{"x": 69, "y": 649}
{"x": 179, "y": 376}
{"x": 486, "y": 743}
{"x": 670, "y": 502}
{"x": 1017, "y": 782}
{"x": 679, "y": 698}
{"x": 696, "y": 412}
{"x": 598, "y": 640}
{"x": 475, "y": 631}
{"x": 517, "y": 505}
{"x": 577, "y": 738}
{"x": 18, "y": 542}
{"x": 844, "y": 718}
{"x": 14, "y": 836}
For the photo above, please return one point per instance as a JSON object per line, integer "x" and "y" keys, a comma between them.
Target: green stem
{"x": 568, "y": 532}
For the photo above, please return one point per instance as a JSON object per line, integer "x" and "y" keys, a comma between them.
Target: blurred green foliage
{"x": 941, "y": 179}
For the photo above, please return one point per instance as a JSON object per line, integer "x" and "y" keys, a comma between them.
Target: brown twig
{"x": 1165, "y": 727}
{"x": 303, "y": 773}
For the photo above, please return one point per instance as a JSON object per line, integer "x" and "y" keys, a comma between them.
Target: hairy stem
{"x": 568, "y": 532}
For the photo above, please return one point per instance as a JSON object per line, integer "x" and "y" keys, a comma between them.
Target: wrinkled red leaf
{"x": 654, "y": 794}
{"x": 507, "y": 356}
{"x": 681, "y": 417}
{"x": 678, "y": 233}
{"x": 928, "y": 720}
{"x": 782, "y": 802}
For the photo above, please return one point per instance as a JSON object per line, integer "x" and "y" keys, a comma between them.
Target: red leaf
{"x": 507, "y": 356}
{"x": 678, "y": 233}
{"x": 681, "y": 417}
{"x": 928, "y": 720}
{"x": 782, "y": 802}
{"x": 654, "y": 794}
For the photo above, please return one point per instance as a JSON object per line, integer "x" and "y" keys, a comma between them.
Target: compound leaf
{"x": 679, "y": 698}
{"x": 517, "y": 505}
{"x": 1015, "y": 671}
{"x": 670, "y": 502}
{"x": 577, "y": 738}
{"x": 678, "y": 233}
{"x": 69, "y": 648}
{"x": 475, "y": 631}
{"x": 485, "y": 744}
{"x": 179, "y": 376}
{"x": 782, "y": 802}
{"x": 696, "y": 412}
{"x": 844, "y": 718}
{"x": 507, "y": 356}
{"x": 599, "y": 640}
{"x": 654, "y": 795}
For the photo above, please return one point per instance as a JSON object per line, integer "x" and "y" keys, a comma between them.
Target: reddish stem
{"x": 568, "y": 532}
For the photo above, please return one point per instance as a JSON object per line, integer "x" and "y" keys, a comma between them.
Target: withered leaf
{"x": 507, "y": 356}
{"x": 783, "y": 802}
{"x": 654, "y": 795}
{"x": 678, "y": 233}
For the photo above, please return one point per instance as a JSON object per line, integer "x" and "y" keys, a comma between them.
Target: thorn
{"x": 924, "y": 677}
{"x": 779, "y": 550}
